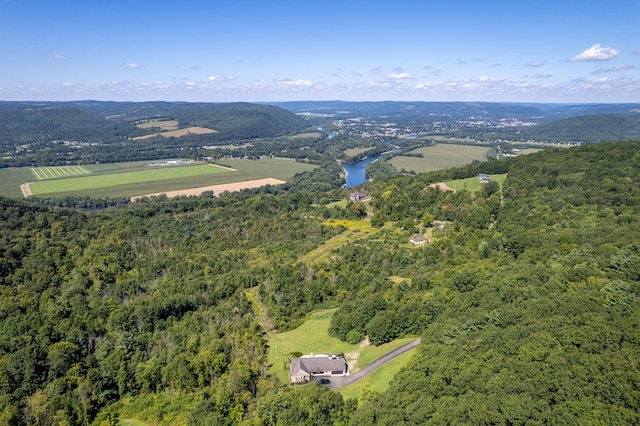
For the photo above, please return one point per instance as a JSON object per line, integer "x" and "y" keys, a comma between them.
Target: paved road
{"x": 340, "y": 381}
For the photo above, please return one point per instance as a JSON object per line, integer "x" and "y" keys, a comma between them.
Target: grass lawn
{"x": 355, "y": 229}
{"x": 472, "y": 184}
{"x": 378, "y": 380}
{"x": 310, "y": 337}
{"x": 132, "y": 422}
{"x": 439, "y": 157}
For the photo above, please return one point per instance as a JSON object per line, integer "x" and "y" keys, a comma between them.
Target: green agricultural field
{"x": 42, "y": 173}
{"x": 130, "y": 179}
{"x": 152, "y": 177}
{"x": 439, "y": 157}
{"x": 11, "y": 178}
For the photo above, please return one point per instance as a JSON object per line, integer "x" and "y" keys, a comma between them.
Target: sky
{"x": 561, "y": 51}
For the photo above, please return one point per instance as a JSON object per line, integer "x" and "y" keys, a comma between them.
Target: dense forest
{"x": 526, "y": 298}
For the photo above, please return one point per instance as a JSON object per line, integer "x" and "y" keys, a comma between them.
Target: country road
{"x": 340, "y": 381}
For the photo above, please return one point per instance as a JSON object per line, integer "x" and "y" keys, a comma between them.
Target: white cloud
{"x": 636, "y": 52}
{"x": 398, "y": 76}
{"x": 535, "y": 64}
{"x": 57, "y": 56}
{"x": 539, "y": 75}
{"x": 615, "y": 69}
{"x": 218, "y": 78}
{"x": 289, "y": 83}
{"x": 132, "y": 65}
{"x": 596, "y": 53}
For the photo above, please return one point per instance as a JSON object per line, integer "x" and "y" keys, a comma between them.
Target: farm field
{"x": 440, "y": 156}
{"x": 151, "y": 176}
{"x": 137, "y": 178}
{"x": 355, "y": 151}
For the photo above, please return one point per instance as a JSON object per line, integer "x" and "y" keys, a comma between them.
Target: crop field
{"x": 307, "y": 135}
{"x": 440, "y": 156}
{"x": 355, "y": 151}
{"x": 42, "y": 173}
{"x": 132, "y": 179}
{"x": 152, "y": 175}
{"x": 160, "y": 124}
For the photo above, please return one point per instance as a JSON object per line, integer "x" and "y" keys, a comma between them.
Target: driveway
{"x": 340, "y": 381}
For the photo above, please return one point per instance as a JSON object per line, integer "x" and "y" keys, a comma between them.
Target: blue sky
{"x": 222, "y": 51}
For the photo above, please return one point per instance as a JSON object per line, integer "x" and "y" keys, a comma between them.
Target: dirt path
{"x": 340, "y": 381}
{"x": 26, "y": 189}
{"x": 442, "y": 186}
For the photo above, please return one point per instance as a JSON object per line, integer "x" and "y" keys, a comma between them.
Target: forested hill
{"x": 527, "y": 299}
{"x": 105, "y": 131}
{"x": 588, "y": 128}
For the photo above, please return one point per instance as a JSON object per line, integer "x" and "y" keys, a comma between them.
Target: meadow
{"x": 138, "y": 178}
{"x": 440, "y": 156}
{"x": 472, "y": 184}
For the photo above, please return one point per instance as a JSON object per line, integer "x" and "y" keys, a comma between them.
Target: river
{"x": 357, "y": 172}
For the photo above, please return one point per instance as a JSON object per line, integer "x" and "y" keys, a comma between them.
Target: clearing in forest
{"x": 354, "y": 230}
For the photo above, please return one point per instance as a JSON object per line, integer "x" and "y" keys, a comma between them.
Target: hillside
{"x": 526, "y": 299}
{"x": 588, "y": 128}
{"x": 50, "y": 133}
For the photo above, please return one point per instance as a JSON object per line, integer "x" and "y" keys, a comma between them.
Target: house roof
{"x": 316, "y": 364}
{"x": 418, "y": 239}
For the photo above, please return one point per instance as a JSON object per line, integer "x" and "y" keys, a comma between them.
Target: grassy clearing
{"x": 189, "y": 130}
{"x": 355, "y": 151}
{"x": 377, "y": 381}
{"x": 159, "y": 124}
{"x": 355, "y": 229}
{"x": 132, "y": 422}
{"x": 440, "y": 156}
{"x": 152, "y": 175}
{"x": 307, "y": 135}
{"x": 157, "y": 408}
{"x": 472, "y": 184}
{"x": 372, "y": 353}
{"x": 310, "y": 337}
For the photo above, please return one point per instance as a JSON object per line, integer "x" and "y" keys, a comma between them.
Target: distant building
{"x": 303, "y": 369}
{"x": 484, "y": 178}
{"x": 356, "y": 196}
{"x": 418, "y": 239}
